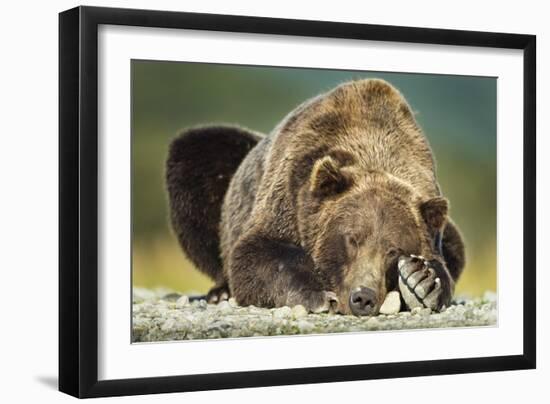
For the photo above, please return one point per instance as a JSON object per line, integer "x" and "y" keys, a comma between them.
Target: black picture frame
{"x": 78, "y": 200}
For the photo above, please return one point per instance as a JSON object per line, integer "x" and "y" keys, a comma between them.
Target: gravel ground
{"x": 159, "y": 315}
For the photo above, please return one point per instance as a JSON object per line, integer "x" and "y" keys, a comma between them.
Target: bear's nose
{"x": 362, "y": 301}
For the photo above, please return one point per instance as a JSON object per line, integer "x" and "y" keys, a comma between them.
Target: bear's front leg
{"x": 424, "y": 283}
{"x": 271, "y": 273}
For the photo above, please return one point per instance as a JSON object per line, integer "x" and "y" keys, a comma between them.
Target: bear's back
{"x": 369, "y": 119}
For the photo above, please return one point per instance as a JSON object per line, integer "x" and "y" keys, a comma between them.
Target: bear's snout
{"x": 362, "y": 301}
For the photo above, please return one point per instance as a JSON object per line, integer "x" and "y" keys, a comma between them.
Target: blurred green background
{"x": 457, "y": 113}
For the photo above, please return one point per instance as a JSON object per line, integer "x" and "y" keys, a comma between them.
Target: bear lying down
{"x": 338, "y": 206}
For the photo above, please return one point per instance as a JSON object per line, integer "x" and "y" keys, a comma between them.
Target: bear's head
{"x": 356, "y": 224}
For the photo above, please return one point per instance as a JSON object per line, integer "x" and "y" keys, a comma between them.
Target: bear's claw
{"x": 218, "y": 294}
{"x": 316, "y": 301}
{"x": 329, "y": 303}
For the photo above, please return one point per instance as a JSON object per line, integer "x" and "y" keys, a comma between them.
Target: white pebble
{"x": 299, "y": 311}
{"x": 416, "y": 310}
{"x": 169, "y": 325}
{"x": 392, "y": 304}
{"x": 304, "y": 326}
{"x": 224, "y": 307}
{"x": 182, "y": 302}
{"x": 282, "y": 312}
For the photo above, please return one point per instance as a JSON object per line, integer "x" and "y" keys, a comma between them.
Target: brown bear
{"x": 333, "y": 209}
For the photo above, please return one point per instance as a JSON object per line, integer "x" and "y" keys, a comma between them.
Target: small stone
{"x": 202, "y": 304}
{"x": 405, "y": 314}
{"x": 458, "y": 310}
{"x": 373, "y": 321}
{"x": 392, "y": 303}
{"x": 168, "y": 325}
{"x": 299, "y": 311}
{"x": 255, "y": 310}
{"x": 219, "y": 326}
{"x": 171, "y": 297}
{"x": 305, "y": 326}
{"x": 182, "y": 302}
{"x": 233, "y": 302}
{"x": 224, "y": 307}
{"x": 282, "y": 312}
{"x": 417, "y": 310}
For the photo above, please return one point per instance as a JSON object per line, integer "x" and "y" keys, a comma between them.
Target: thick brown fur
{"x": 201, "y": 162}
{"x": 324, "y": 205}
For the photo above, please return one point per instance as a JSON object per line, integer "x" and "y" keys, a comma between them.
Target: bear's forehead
{"x": 375, "y": 206}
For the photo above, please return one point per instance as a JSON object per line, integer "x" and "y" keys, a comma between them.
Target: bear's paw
{"x": 424, "y": 283}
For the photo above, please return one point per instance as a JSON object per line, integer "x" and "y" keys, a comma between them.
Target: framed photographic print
{"x": 252, "y": 201}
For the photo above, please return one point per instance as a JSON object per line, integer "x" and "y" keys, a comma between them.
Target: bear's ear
{"x": 328, "y": 177}
{"x": 434, "y": 211}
